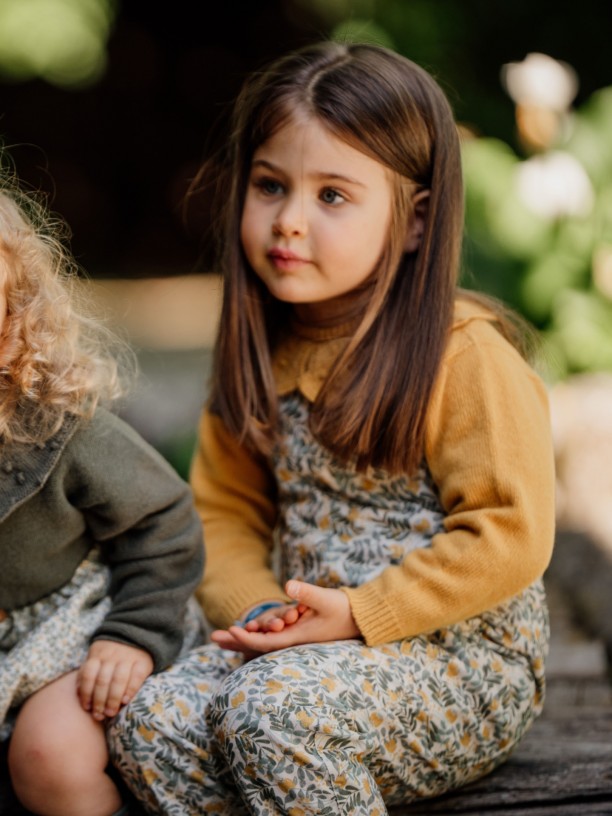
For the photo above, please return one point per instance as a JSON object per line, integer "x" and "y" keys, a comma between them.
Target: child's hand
{"x": 110, "y": 676}
{"x": 272, "y": 620}
{"x": 327, "y": 617}
{"x": 276, "y": 619}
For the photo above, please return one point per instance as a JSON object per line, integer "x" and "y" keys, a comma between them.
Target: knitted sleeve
{"x": 235, "y": 497}
{"x": 489, "y": 450}
{"x": 141, "y": 513}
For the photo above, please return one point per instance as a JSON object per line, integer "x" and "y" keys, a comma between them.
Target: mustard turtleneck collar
{"x": 307, "y": 352}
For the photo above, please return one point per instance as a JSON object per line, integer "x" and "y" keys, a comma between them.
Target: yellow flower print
{"x": 376, "y": 719}
{"x": 341, "y": 781}
{"x": 288, "y": 672}
{"x": 146, "y": 733}
{"x": 368, "y": 687}
{"x": 286, "y": 785}
{"x": 324, "y": 523}
{"x": 453, "y": 669}
{"x": 237, "y": 699}
{"x": 273, "y": 686}
{"x": 150, "y": 776}
{"x": 396, "y": 552}
{"x": 422, "y": 526}
{"x": 329, "y": 683}
{"x": 451, "y": 716}
{"x": 305, "y": 719}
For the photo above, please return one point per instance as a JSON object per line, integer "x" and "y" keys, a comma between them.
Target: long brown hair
{"x": 372, "y": 407}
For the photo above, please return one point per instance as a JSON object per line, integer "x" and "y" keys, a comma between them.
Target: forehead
{"x": 305, "y": 141}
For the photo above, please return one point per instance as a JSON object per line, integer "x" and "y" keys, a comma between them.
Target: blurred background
{"x": 109, "y": 107}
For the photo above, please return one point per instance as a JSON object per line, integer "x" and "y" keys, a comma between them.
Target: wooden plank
{"x": 556, "y": 809}
{"x": 521, "y": 786}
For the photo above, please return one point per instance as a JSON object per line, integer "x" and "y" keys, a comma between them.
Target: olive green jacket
{"x": 98, "y": 482}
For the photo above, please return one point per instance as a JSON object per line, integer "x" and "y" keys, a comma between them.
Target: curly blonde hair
{"x": 55, "y": 358}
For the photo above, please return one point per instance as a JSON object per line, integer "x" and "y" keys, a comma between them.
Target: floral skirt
{"x": 335, "y": 728}
{"x": 44, "y": 640}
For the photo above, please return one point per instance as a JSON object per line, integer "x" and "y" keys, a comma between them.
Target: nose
{"x": 290, "y": 218}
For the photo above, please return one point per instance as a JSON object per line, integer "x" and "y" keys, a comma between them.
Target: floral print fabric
{"x": 337, "y": 728}
{"x": 43, "y": 641}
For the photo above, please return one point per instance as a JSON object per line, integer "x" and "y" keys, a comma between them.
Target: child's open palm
{"x": 110, "y": 676}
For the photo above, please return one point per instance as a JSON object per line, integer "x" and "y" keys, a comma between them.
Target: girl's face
{"x": 317, "y": 213}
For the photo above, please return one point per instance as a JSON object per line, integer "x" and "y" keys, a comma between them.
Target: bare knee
{"x": 57, "y": 758}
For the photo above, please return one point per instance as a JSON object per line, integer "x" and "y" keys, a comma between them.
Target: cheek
{"x": 249, "y": 229}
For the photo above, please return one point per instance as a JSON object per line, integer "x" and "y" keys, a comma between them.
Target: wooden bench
{"x": 564, "y": 765}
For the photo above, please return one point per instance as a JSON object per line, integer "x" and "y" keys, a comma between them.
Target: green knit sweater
{"x": 100, "y": 483}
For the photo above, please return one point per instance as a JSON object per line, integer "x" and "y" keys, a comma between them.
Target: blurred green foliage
{"x": 556, "y": 267}
{"x": 539, "y": 220}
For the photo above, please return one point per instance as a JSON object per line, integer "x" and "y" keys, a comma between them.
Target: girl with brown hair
{"x": 377, "y": 424}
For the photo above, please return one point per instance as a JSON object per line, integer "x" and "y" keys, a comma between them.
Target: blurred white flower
{"x": 541, "y": 81}
{"x": 555, "y": 185}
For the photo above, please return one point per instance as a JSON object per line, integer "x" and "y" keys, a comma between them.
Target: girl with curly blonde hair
{"x": 101, "y": 547}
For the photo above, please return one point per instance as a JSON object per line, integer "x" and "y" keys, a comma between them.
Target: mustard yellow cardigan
{"x": 489, "y": 449}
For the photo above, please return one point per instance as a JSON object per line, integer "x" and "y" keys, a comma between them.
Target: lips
{"x": 285, "y": 260}
{"x": 277, "y": 253}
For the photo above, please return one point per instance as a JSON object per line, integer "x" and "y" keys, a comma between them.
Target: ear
{"x": 420, "y": 206}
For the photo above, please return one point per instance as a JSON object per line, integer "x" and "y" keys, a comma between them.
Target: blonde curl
{"x": 56, "y": 358}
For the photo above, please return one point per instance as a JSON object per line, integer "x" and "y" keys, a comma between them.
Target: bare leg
{"x": 58, "y": 756}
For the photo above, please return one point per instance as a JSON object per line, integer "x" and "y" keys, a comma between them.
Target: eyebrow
{"x": 320, "y": 176}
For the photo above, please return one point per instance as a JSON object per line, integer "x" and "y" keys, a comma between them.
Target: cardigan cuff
{"x": 375, "y": 619}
